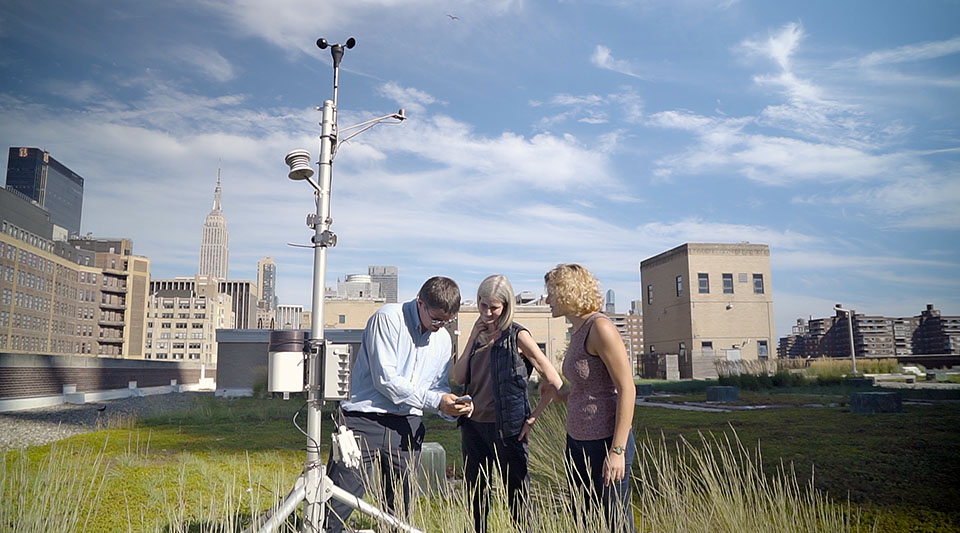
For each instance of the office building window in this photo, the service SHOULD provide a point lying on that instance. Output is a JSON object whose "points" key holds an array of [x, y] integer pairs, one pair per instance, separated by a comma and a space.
{"points": [[706, 347], [758, 284], [679, 285], [762, 349], [703, 280], [728, 284], [650, 294], [342, 319]]}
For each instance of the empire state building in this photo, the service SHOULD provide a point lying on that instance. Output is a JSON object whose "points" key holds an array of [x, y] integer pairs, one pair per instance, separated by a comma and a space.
{"points": [[214, 248]]}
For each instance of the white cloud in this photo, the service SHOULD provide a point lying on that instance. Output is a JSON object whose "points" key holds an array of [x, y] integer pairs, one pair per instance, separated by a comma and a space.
{"points": [[602, 58], [924, 200], [912, 52], [888, 66], [780, 46], [724, 144], [625, 106], [811, 259], [82, 92], [696, 230], [294, 25], [208, 62], [461, 158], [819, 138], [409, 98]]}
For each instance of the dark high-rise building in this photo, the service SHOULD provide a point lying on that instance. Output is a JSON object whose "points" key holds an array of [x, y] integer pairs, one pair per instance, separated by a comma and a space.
{"points": [[41, 178]]}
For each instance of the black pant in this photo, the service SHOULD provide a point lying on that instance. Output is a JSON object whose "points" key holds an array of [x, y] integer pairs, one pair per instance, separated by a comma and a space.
{"points": [[393, 442], [585, 472], [482, 448]]}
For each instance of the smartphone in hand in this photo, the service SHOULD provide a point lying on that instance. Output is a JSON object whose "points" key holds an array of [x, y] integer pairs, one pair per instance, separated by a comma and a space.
{"points": [[464, 399]]}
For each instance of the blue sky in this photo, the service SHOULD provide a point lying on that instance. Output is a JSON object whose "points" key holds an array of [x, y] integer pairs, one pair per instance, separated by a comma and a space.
{"points": [[601, 132]]}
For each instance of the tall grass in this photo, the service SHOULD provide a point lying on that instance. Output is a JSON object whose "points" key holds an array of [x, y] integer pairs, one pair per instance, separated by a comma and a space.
{"points": [[769, 373], [719, 486], [149, 482], [45, 495], [829, 367], [722, 487]]}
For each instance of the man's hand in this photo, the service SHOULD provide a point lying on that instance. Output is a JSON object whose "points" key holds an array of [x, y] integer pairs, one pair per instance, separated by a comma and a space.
{"points": [[449, 405]]}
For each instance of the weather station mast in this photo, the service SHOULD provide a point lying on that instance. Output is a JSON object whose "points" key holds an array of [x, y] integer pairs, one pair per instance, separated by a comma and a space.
{"points": [[315, 366]]}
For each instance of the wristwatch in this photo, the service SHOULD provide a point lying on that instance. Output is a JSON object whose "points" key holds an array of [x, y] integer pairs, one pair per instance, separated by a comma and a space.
{"points": [[617, 450]]}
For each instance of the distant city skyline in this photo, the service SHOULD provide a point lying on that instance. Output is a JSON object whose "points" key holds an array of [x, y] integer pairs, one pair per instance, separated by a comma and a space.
{"points": [[826, 130]]}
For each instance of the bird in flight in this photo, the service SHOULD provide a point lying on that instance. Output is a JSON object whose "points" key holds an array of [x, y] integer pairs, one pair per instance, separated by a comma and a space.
{"points": [[453, 17]]}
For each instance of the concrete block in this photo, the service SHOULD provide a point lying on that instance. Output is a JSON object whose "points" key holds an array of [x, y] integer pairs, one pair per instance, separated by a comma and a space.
{"points": [[69, 389], [644, 390], [104, 395], [672, 367], [912, 370], [78, 398], [876, 402], [432, 470], [20, 404], [723, 394]]}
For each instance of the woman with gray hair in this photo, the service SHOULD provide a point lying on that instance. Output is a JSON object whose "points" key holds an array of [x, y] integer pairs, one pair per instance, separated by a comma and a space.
{"points": [[494, 370]]}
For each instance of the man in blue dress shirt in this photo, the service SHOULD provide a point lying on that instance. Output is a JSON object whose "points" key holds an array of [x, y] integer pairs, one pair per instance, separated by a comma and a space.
{"points": [[401, 369]]}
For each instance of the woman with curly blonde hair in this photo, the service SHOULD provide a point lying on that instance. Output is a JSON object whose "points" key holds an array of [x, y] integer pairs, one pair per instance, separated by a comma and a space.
{"points": [[600, 401]]}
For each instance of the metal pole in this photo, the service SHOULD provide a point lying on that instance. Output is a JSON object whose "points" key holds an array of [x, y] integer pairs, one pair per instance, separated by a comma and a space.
{"points": [[314, 469]]}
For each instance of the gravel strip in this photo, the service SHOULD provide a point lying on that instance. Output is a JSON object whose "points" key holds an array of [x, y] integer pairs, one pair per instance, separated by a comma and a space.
{"points": [[33, 427]]}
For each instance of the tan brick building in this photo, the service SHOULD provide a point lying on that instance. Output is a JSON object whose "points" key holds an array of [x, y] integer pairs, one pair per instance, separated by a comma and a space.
{"points": [[182, 323], [348, 313], [123, 287], [49, 304], [706, 301]]}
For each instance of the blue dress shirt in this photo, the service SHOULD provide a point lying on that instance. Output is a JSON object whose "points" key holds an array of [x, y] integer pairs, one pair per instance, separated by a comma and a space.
{"points": [[400, 369]]}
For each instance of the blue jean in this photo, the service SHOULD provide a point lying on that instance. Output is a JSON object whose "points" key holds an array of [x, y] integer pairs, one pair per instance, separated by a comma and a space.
{"points": [[585, 472]]}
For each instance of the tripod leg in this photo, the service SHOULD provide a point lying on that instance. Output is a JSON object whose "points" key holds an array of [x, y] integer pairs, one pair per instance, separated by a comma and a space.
{"points": [[272, 519], [332, 491]]}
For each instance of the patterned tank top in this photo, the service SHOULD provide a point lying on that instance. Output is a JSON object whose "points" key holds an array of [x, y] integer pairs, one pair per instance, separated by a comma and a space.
{"points": [[592, 404]]}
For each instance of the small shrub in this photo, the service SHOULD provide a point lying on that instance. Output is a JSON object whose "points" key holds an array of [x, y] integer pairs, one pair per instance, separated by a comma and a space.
{"points": [[797, 379], [781, 379], [827, 381], [764, 381], [729, 381], [749, 382]]}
